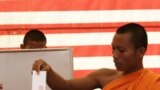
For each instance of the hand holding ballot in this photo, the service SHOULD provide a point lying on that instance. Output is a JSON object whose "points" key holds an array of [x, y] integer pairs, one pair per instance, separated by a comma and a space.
{"points": [[54, 81], [40, 65]]}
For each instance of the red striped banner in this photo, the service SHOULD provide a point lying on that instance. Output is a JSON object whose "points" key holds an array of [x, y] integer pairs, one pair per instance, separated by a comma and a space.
{"points": [[63, 5]]}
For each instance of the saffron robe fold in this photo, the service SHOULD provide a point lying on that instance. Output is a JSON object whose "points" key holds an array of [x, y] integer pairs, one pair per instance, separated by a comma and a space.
{"points": [[141, 80]]}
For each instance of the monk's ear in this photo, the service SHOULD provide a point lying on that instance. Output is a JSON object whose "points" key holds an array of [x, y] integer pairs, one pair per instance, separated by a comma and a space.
{"points": [[141, 51]]}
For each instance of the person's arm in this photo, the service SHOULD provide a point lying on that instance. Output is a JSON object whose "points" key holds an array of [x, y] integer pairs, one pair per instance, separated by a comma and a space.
{"points": [[56, 82], [1, 86]]}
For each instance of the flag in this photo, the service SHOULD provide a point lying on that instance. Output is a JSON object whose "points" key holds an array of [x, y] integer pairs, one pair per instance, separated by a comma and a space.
{"points": [[87, 26]]}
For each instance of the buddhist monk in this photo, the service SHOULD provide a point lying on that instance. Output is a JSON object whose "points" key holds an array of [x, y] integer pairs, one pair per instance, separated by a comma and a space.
{"points": [[129, 45]]}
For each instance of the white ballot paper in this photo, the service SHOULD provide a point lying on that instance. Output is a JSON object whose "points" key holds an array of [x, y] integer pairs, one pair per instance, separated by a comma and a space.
{"points": [[39, 80]]}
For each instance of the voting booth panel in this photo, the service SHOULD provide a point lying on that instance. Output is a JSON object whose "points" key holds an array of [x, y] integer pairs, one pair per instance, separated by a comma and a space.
{"points": [[16, 66]]}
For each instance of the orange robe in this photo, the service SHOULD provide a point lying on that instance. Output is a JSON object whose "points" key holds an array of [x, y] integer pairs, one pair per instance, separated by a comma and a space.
{"points": [[140, 80]]}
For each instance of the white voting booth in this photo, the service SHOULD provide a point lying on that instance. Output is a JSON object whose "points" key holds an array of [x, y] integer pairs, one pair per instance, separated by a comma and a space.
{"points": [[16, 66]]}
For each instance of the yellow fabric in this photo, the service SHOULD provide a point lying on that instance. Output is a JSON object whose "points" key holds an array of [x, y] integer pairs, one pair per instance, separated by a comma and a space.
{"points": [[140, 80]]}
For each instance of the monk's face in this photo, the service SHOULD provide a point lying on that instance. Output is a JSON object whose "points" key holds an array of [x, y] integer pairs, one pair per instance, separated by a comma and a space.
{"points": [[126, 58]]}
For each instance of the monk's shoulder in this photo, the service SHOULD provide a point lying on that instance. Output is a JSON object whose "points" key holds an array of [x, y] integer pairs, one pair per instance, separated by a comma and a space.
{"points": [[104, 76], [107, 72]]}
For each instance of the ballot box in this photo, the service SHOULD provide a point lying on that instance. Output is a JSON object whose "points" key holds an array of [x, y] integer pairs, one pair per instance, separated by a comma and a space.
{"points": [[16, 66]]}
